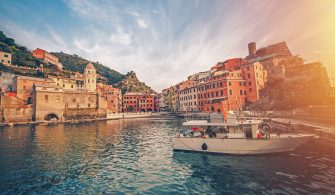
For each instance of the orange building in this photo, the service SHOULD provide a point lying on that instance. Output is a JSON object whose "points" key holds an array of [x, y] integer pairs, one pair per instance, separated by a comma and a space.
{"points": [[24, 86], [255, 77], [112, 95], [232, 84], [228, 87], [47, 57]]}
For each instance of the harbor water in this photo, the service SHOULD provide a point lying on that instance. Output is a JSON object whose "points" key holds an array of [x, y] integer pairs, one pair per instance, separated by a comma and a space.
{"points": [[135, 156]]}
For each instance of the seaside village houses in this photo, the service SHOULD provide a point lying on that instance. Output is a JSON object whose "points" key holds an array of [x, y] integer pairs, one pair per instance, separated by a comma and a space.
{"points": [[236, 83], [24, 99], [76, 97]]}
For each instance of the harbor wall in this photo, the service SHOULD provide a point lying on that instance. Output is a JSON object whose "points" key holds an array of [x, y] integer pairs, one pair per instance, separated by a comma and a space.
{"points": [[14, 110], [128, 115]]}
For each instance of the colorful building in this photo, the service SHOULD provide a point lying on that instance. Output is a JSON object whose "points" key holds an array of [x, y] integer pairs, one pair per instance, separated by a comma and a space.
{"points": [[112, 95], [188, 96], [24, 86], [47, 57], [5, 58], [138, 102]]}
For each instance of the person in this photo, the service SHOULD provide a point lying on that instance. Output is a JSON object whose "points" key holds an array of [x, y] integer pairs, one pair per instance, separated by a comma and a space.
{"points": [[209, 132], [259, 135]]}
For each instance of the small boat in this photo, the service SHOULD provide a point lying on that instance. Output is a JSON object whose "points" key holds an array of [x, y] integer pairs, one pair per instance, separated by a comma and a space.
{"points": [[235, 135]]}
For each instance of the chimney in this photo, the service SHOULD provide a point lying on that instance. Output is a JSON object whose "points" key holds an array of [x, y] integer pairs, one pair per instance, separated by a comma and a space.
{"points": [[252, 49]]}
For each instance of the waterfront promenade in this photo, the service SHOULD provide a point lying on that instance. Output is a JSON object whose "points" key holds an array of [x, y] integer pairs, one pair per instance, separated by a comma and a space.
{"points": [[110, 116], [323, 128]]}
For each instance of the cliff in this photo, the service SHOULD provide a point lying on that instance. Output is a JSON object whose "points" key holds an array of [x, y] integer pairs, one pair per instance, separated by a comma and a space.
{"points": [[131, 84]]}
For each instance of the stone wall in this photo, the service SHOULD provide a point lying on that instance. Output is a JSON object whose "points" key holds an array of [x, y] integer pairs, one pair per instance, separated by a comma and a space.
{"points": [[14, 110], [83, 113], [23, 114]]}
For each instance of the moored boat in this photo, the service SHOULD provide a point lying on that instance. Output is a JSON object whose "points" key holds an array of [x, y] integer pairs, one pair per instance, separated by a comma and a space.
{"points": [[235, 136]]}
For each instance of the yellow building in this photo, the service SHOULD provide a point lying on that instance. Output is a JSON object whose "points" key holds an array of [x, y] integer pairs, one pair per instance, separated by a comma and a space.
{"points": [[65, 83], [90, 77]]}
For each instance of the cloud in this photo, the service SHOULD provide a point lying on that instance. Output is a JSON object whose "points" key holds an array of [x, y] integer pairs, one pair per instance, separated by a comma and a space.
{"points": [[121, 37], [164, 42], [142, 23]]}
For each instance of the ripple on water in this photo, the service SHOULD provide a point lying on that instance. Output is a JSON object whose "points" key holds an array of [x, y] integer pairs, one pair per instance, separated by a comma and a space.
{"points": [[135, 156]]}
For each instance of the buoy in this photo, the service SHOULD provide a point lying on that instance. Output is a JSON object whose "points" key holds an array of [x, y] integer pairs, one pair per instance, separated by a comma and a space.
{"points": [[204, 146]]}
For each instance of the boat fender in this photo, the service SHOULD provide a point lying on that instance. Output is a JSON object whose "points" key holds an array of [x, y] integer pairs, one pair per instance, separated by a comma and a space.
{"points": [[204, 146]]}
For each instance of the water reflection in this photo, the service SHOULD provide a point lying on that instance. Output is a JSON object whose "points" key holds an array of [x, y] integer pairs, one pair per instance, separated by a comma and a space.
{"points": [[127, 156]]}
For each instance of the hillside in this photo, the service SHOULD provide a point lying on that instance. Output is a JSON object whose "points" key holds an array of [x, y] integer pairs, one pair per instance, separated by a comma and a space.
{"points": [[21, 56], [76, 63], [25, 64], [131, 84]]}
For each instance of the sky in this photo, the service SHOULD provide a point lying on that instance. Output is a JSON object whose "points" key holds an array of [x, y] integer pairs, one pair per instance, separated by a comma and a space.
{"points": [[164, 41]]}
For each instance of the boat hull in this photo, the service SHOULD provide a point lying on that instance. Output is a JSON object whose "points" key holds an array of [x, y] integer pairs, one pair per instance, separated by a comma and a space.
{"points": [[241, 146]]}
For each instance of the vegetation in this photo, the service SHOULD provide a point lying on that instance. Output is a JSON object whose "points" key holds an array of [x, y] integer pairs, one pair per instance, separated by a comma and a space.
{"points": [[21, 56], [27, 64], [131, 84], [21, 71], [76, 63]]}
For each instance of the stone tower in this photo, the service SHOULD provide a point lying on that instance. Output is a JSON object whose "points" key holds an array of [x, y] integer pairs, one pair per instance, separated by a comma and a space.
{"points": [[90, 78]]}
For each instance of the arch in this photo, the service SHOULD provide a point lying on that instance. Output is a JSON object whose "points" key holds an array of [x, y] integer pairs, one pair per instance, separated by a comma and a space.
{"points": [[149, 110], [51, 116], [142, 110]]}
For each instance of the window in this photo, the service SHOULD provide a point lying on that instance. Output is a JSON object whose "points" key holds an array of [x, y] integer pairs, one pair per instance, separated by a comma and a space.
{"points": [[240, 83], [77, 105], [57, 99], [250, 89], [241, 92], [63, 85], [89, 105], [248, 68], [249, 83], [217, 94], [66, 105], [6, 56], [88, 80], [229, 83], [248, 75], [221, 93], [72, 86], [230, 92], [245, 92], [46, 98]]}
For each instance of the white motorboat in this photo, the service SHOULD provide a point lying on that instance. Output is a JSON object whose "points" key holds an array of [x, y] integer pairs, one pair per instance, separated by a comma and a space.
{"points": [[235, 136]]}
